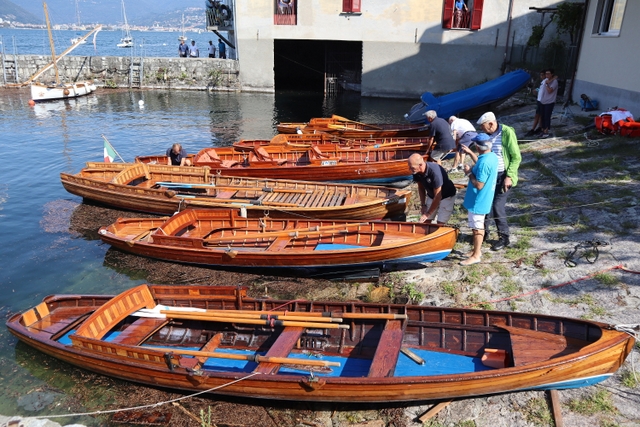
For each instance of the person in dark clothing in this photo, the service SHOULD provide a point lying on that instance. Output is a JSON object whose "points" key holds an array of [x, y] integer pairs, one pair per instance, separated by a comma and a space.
{"points": [[440, 133], [177, 156], [183, 49], [437, 192], [222, 49]]}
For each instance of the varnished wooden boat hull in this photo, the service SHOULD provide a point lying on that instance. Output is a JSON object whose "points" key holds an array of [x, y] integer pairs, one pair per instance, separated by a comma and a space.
{"points": [[221, 239], [344, 128], [327, 163], [110, 184], [576, 353]]}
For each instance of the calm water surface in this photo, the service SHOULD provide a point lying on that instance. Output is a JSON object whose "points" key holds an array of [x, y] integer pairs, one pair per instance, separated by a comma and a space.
{"points": [[39, 253]]}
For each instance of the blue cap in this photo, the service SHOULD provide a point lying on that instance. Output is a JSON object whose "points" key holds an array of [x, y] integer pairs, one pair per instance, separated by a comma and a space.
{"points": [[483, 141]]}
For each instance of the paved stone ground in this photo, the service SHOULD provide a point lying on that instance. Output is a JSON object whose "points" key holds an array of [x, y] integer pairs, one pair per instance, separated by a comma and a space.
{"points": [[578, 193]]}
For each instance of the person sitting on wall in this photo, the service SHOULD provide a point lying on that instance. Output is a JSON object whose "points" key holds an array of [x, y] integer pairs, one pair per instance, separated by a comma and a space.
{"points": [[177, 156]]}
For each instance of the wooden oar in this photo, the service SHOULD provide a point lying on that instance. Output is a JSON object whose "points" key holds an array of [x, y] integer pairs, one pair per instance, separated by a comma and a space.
{"points": [[297, 316], [270, 323], [344, 119], [288, 233], [140, 236], [328, 314], [250, 357]]}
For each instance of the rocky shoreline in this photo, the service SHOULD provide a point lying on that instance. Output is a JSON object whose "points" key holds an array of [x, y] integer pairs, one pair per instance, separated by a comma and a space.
{"points": [[575, 252]]}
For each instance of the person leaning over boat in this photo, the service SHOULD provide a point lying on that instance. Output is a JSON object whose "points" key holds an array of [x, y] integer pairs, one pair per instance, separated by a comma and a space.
{"points": [[463, 133], [436, 191], [505, 146], [183, 49], [480, 191], [440, 132], [177, 156]]}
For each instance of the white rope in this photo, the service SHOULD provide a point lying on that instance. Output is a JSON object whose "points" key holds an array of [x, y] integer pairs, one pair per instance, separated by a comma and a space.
{"points": [[631, 329], [152, 405]]}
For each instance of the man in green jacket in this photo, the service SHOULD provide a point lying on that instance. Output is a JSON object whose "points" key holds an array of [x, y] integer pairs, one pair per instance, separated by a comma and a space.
{"points": [[505, 146]]}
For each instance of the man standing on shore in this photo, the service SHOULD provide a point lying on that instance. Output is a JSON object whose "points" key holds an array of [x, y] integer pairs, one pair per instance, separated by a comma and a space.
{"points": [[436, 191], [505, 146], [480, 190], [212, 50], [194, 52], [222, 49], [183, 49]]}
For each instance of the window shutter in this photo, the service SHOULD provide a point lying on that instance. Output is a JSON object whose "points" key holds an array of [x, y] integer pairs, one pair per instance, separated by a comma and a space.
{"points": [[447, 14], [476, 14], [346, 5], [355, 5]]}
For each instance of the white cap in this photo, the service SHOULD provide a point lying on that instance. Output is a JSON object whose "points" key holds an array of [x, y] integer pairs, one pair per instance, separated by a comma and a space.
{"points": [[487, 117]]}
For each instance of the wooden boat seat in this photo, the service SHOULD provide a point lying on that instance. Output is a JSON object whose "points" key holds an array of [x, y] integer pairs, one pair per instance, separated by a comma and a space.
{"points": [[210, 155], [260, 157], [113, 312], [530, 346], [386, 355], [279, 243], [139, 330], [283, 345], [131, 173], [185, 219]]}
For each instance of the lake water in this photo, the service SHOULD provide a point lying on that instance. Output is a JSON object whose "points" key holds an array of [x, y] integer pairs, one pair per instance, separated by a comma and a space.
{"points": [[146, 43], [41, 255]]}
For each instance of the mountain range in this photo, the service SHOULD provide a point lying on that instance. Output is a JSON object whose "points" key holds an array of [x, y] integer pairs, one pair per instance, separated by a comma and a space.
{"points": [[139, 12]]}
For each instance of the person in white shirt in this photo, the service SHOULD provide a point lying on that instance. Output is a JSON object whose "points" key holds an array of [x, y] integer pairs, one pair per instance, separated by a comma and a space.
{"points": [[212, 50], [463, 133]]}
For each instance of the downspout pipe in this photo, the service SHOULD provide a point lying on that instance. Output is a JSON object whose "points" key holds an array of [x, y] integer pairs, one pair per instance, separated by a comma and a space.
{"points": [[506, 47], [585, 11]]}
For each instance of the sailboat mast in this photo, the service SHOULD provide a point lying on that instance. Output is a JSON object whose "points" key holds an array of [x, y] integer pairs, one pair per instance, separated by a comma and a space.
{"points": [[53, 48]]}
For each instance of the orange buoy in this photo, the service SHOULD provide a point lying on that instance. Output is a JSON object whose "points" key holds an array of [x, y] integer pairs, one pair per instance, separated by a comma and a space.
{"points": [[32, 102]]}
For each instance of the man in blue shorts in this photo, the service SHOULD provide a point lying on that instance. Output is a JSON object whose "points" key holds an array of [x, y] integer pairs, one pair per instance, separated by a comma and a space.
{"points": [[463, 133], [480, 191]]}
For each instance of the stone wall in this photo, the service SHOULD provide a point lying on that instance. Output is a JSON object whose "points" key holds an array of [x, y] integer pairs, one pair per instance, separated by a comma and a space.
{"points": [[116, 71]]}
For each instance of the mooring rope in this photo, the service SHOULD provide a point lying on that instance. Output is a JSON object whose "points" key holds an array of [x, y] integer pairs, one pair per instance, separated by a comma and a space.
{"points": [[151, 405]]}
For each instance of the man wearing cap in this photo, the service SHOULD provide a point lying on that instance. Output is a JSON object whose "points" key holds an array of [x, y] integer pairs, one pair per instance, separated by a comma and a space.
{"points": [[436, 191], [440, 132], [480, 191], [505, 146], [463, 133]]}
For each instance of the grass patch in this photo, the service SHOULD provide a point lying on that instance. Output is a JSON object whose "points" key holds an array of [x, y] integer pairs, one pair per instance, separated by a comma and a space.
{"points": [[629, 379], [599, 402], [536, 411], [450, 288], [510, 287], [607, 279], [475, 274]]}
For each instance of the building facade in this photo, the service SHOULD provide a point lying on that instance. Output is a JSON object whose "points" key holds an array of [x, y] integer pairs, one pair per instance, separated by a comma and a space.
{"points": [[608, 65], [382, 48]]}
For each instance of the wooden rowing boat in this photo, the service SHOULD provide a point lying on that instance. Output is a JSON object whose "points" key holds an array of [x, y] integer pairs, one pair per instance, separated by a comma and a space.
{"points": [[345, 128], [162, 189], [220, 238], [201, 338], [329, 162], [307, 140]]}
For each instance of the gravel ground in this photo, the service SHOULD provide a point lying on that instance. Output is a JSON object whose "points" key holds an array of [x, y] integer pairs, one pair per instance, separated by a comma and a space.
{"points": [[574, 252]]}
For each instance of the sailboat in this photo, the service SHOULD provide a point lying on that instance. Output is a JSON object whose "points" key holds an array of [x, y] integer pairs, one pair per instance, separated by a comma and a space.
{"points": [[182, 38], [77, 39], [127, 40], [58, 90]]}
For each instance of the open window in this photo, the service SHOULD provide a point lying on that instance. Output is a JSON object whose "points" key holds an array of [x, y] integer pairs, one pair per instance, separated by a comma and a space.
{"points": [[609, 15], [462, 14], [285, 13], [351, 6]]}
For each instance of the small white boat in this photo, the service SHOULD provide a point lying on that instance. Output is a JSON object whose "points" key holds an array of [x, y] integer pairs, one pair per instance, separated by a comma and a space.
{"points": [[126, 40], [43, 92], [57, 89]]}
